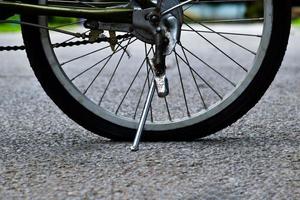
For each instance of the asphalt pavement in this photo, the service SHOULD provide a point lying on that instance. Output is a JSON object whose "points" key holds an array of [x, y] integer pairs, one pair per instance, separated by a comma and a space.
{"points": [[45, 155]]}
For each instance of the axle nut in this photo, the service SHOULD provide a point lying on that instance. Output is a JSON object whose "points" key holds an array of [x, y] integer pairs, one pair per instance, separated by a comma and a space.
{"points": [[154, 18]]}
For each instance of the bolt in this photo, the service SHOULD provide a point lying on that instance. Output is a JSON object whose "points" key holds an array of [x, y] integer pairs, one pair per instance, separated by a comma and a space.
{"points": [[154, 18], [158, 29]]}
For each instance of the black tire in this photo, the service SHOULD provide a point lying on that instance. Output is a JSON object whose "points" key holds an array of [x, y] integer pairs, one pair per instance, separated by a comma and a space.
{"points": [[250, 96]]}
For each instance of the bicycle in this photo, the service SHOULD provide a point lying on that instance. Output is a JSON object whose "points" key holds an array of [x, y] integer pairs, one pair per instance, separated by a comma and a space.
{"points": [[156, 66]]}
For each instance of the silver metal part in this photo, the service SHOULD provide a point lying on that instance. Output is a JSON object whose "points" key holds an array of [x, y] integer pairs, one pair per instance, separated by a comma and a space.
{"points": [[162, 85], [143, 119], [143, 29], [115, 27], [97, 25], [94, 35], [172, 32]]}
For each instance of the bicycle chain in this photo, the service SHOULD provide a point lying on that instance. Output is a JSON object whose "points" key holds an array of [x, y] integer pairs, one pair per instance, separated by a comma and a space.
{"points": [[67, 44]]}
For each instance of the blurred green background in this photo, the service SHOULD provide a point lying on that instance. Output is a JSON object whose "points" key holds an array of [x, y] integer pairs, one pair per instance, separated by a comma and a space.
{"points": [[53, 22]]}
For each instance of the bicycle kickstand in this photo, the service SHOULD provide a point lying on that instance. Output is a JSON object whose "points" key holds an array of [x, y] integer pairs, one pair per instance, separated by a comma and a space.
{"points": [[135, 146]]}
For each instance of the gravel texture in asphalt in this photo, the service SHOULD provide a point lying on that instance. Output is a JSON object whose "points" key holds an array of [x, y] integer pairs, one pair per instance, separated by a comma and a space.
{"points": [[45, 155]]}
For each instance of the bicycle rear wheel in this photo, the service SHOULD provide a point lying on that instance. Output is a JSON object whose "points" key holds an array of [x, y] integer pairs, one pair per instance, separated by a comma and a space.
{"points": [[220, 69]]}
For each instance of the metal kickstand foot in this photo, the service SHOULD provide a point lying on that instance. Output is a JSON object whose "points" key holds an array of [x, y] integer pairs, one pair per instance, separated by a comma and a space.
{"points": [[135, 146]]}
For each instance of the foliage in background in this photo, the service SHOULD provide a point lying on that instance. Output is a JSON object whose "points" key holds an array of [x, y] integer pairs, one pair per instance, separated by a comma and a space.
{"points": [[54, 21], [296, 22], [10, 27], [254, 9]]}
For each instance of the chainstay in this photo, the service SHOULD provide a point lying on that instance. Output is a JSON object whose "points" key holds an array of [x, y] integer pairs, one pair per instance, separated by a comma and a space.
{"points": [[67, 44]]}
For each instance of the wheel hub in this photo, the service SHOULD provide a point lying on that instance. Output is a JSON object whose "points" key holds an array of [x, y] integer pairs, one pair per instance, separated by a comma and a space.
{"points": [[145, 22]]}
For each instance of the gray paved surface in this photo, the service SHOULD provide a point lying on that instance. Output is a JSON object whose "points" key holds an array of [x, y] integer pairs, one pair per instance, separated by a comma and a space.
{"points": [[44, 155]]}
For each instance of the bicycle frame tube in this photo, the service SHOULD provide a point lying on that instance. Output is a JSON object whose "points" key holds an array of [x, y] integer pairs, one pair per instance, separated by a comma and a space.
{"points": [[105, 13], [114, 11]]}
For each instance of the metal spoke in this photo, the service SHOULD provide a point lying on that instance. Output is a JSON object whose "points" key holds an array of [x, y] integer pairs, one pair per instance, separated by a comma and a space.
{"points": [[223, 33], [206, 82], [94, 65], [116, 68], [87, 4], [109, 58], [84, 55], [68, 40], [141, 95], [176, 6], [259, 19], [99, 72], [200, 1], [206, 64], [226, 38], [192, 4], [195, 81], [225, 54], [188, 7], [131, 83], [72, 38], [168, 110], [182, 86]]}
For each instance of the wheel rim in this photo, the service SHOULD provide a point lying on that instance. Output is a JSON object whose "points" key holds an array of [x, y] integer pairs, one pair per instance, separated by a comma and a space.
{"points": [[184, 61]]}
